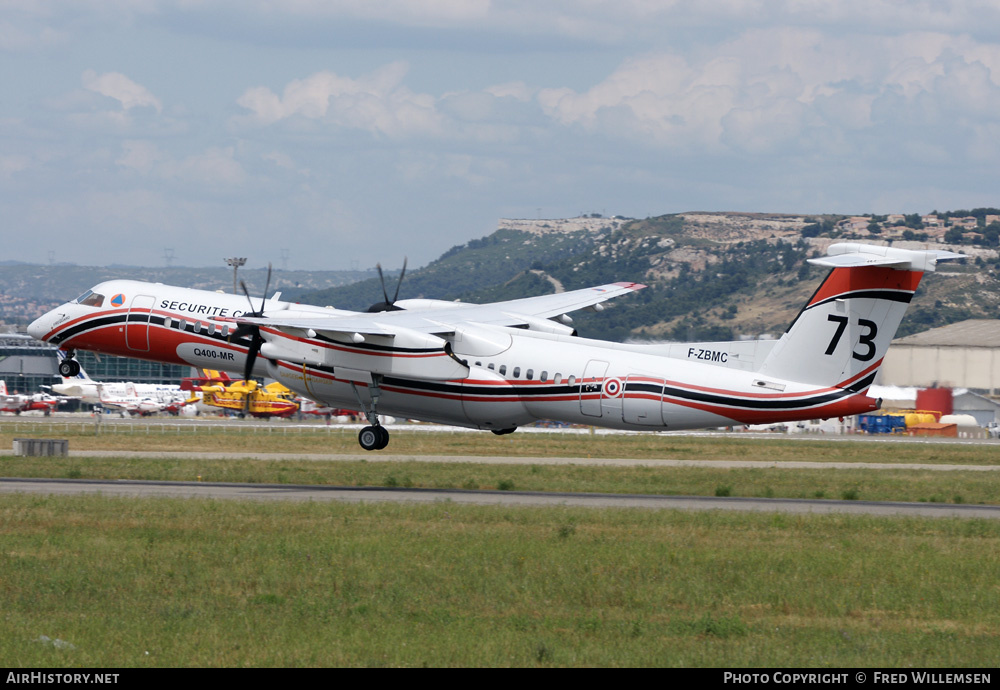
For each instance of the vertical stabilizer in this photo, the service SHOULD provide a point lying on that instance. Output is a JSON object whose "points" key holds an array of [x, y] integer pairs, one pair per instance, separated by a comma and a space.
{"points": [[840, 337]]}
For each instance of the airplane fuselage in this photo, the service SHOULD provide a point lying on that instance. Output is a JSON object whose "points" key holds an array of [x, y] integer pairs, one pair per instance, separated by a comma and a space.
{"points": [[514, 376]]}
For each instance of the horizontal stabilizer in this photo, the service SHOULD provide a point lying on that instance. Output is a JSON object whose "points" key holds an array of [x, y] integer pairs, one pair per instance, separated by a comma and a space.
{"points": [[849, 254]]}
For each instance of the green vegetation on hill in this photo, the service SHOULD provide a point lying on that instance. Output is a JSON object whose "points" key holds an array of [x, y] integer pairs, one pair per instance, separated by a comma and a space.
{"points": [[486, 263], [710, 276]]}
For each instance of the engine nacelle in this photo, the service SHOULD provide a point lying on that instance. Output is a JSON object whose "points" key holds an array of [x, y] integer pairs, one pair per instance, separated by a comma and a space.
{"points": [[407, 353], [535, 323]]}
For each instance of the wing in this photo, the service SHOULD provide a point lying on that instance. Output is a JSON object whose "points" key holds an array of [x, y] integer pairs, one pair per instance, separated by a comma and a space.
{"points": [[443, 317], [411, 342]]}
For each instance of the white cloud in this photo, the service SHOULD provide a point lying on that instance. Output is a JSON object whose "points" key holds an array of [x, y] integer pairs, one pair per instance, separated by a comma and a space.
{"points": [[766, 87], [517, 90], [284, 161], [11, 165], [376, 102], [140, 156], [119, 87], [214, 167]]}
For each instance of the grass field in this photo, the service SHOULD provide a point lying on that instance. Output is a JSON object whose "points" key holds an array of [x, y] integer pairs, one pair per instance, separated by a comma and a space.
{"points": [[101, 582], [109, 582]]}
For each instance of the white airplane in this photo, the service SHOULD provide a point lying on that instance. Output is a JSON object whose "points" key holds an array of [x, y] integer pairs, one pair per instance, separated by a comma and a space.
{"points": [[126, 396], [502, 365], [19, 402]]}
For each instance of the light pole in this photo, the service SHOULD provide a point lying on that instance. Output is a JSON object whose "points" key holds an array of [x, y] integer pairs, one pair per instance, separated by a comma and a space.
{"points": [[236, 262]]}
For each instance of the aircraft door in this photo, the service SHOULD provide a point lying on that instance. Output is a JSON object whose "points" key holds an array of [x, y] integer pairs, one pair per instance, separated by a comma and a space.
{"points": [[642, 403], [591, 386], [137, 323]]}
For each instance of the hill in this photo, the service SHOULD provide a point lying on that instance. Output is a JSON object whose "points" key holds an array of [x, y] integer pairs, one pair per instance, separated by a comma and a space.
{"points": [[709, 275]]}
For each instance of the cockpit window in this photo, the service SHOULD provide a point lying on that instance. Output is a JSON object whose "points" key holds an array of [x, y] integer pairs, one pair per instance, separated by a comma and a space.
{"points": [[90, 299]]}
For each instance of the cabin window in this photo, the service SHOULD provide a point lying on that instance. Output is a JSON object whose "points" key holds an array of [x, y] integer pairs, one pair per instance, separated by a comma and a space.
{"points": [[479, 364], [530, 374], [544, 377], [572, 380], [167, 321], [491, 366], [503, 369], [558, 379], [225, 330], [517, 372]]}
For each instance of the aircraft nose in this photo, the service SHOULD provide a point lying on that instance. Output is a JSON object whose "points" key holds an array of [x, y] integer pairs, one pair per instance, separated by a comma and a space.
{"points": [[40, 326]]}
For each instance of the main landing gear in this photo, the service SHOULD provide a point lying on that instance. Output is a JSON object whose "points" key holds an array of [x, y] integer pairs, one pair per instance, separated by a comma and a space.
{"points": [[376, 436], [69, 367]]}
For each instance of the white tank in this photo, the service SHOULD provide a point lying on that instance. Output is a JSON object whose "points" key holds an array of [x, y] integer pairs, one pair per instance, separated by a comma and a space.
{"points": [[959, 419]]}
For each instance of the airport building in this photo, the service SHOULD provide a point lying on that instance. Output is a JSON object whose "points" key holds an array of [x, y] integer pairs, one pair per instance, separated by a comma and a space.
{"points": [[962, 355], [27, 364]]}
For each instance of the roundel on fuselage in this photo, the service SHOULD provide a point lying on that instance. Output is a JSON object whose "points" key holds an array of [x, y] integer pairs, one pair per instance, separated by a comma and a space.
{"points": [[118, 300], [612, 388]]}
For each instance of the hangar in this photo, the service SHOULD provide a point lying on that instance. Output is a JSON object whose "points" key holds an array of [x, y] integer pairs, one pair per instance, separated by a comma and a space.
{"points": [[963, 355]]}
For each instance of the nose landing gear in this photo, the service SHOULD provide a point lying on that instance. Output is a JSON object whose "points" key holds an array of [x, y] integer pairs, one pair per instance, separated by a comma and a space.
{"points": [[69, 367]]}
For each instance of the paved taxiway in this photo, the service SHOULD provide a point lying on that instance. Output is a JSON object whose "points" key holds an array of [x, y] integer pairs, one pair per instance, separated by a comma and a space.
{"points": [[372, 494], [517, 460], [283, 492]]}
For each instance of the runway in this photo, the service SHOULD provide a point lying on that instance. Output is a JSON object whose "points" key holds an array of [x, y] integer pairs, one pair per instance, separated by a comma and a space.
{"points": [[283, 492], [389, 457]]}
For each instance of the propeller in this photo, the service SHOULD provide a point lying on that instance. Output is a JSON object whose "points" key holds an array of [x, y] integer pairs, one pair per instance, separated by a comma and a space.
{"points": [[388, 305], [253, 330]]}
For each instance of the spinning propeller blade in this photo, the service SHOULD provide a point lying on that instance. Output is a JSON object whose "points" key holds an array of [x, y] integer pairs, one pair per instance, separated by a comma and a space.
{"points": [[387, 305]]}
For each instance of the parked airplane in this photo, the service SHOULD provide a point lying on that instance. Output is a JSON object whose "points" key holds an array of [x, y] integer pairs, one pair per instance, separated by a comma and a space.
{"points": [[18, 403], [126, 396], [501, 365], [250, 398]]}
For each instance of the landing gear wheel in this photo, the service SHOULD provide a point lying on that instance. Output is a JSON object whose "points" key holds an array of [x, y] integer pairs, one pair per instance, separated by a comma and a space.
{"points": [[373, 438], [504, 432], [68, 368]]}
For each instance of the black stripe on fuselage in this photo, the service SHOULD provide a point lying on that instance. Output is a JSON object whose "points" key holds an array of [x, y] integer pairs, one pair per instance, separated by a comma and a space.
{"points": [[95, 323], [87, 325], [891, 295], [751, 403]]}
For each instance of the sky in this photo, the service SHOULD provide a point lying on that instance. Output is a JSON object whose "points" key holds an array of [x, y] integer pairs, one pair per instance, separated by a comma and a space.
{"points": [[334, 134]]}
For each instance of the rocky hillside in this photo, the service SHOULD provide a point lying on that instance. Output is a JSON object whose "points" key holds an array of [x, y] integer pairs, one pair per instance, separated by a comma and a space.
{"points": [[710, 275]]}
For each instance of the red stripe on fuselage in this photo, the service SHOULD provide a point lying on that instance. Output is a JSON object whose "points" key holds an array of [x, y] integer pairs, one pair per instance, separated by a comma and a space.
{"points": [[110, 339]]}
